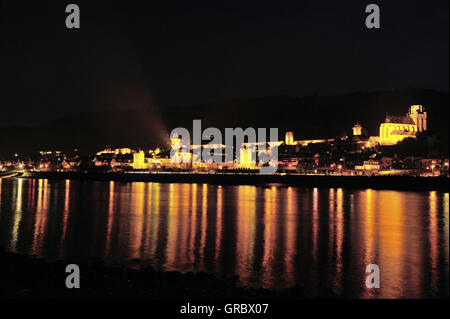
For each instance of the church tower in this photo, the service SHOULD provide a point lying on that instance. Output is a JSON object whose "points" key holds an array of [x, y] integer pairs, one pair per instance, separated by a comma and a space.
{"points": [[357, 129], [419, 116], [289, 138]]}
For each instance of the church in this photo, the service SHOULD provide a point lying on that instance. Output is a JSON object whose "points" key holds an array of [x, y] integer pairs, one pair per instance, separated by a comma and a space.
{"points": [[396, 128]]}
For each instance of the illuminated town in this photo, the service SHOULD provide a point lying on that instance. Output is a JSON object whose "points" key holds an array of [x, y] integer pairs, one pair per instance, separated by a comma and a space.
{"points": [[357, 154], [225, 158]]}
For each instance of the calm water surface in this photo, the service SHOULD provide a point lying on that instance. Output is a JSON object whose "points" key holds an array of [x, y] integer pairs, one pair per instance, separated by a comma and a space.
{"points": [[272, 236]]}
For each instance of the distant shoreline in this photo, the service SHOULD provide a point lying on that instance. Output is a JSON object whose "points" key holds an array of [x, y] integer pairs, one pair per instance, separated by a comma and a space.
{"points": [[411, 183]]}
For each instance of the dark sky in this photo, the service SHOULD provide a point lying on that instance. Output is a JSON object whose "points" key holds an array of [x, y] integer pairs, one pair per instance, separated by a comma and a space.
{"points": [[153, 54]]}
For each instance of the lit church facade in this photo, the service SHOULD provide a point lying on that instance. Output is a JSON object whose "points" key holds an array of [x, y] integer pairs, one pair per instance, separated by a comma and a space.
{"points": [[396, 128]]}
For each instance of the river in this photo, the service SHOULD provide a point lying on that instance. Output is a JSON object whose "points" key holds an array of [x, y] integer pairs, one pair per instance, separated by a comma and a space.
{"points": [[271, 236]]}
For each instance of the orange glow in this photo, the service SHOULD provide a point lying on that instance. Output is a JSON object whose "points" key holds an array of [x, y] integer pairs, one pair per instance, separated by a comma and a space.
{"points": [[387, 232], [193, 227], [446, 226], [433, 237], [270, 211], [339, 237], [173, 220], [65, 214], [155, 189], [204, 221], [110, 218], [17, 215], [148, 219], [137, 219], [291, 234], [331, 223], [368, 209], [315, 221], [41, 217], [245, 222], [218, 224], [183, 231]]}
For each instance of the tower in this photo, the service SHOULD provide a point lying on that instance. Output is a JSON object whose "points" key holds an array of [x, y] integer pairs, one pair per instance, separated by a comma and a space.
{"points": [[419, 116], [357, 129], [289, 138]]}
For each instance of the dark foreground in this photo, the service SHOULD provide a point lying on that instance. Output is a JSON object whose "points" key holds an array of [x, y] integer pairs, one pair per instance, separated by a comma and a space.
{"points": [[26, 277]]}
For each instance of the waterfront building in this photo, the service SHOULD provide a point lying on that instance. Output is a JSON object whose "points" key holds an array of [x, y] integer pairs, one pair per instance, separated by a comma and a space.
{"points": [[369, 167]]}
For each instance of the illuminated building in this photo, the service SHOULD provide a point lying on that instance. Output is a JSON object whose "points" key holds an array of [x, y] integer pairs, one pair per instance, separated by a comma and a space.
{"points": [[357, 128], [368, 168], [116, 151], [139, 160], [372, 141], [247, 158], [396, 128], [52, 160]]}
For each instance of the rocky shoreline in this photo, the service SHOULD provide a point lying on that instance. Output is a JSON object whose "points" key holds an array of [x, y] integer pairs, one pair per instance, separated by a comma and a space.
{"points": [[26, 277]]}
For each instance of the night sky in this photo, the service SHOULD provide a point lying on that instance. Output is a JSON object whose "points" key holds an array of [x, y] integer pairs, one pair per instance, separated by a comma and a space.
{"points": [[155, 54]]}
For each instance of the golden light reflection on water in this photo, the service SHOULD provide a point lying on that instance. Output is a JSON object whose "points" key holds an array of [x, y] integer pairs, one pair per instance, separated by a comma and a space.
{"points": [[390, 232], [446, 226], [39, 232], [136, 226], [245, 224], [367, 208], [291, 222], [315, 222], [155, 218], [270, 236], [433, 236], [270, 233], [219, 225], [17, 214], [0, 196], [183, 229], [110, 218], [173, 219], [339, 237], [65, 215], [203, 223]]}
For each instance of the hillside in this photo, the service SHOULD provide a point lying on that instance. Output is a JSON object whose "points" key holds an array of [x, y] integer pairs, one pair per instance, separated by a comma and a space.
{"points": [[309, 117]]}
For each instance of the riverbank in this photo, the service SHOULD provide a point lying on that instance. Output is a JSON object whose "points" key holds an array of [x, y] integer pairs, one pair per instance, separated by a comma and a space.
{"points": [[26, 277], [412, 183]]}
